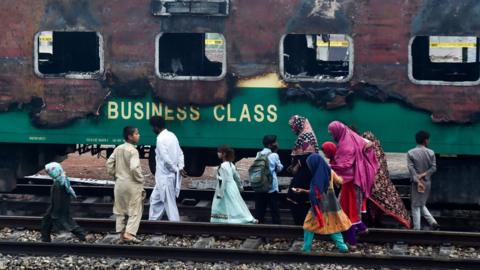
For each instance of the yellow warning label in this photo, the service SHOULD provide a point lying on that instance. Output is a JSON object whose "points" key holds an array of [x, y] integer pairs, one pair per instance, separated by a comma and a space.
{"points": [[213, 42], [333, 43], [453, 44], [47, 38]]}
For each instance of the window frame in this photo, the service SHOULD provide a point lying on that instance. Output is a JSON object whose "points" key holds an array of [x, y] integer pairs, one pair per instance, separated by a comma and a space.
{"points": [[351, 62], [429, 82], [189, 78], [73, 75]]}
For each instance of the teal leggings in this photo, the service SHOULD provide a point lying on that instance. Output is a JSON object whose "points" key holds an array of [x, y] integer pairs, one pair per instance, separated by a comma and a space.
{"points": [[336, 237]]}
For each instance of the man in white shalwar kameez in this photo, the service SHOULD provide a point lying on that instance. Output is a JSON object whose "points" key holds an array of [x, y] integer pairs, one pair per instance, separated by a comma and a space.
{"points": [[168, 173]]}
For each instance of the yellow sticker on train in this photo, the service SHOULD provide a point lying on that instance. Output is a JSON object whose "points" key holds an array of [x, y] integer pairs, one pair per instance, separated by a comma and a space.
{"points": [[213, 42], [453, 44], [47, 38], [333, 43]]}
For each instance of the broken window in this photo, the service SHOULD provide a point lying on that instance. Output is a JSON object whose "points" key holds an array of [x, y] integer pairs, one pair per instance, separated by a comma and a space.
{"points": [[190, 7], [324, 57], [187, 56], [444, 59], [68, 54]]}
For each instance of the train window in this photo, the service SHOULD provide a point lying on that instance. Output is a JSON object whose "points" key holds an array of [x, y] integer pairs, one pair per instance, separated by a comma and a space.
{"points": [[444, 60], [316, 58], [191, 56], [197, 7], [75, 55]]}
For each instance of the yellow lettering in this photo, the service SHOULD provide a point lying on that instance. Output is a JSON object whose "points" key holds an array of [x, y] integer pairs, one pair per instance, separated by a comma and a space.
{"points": [[157, 109], [169, 114], [229, 114], [272, 113], [181, 114], [138, 107], [147, 110], [215, 113], [194, 113], [245, 114], [112, 110], [259, 116], [126, 112]]}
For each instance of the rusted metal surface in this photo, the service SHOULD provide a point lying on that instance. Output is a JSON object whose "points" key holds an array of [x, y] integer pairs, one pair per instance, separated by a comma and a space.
{"points": [[381, 31]]}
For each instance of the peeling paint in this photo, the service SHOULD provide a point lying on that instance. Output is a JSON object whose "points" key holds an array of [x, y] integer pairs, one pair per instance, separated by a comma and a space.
{"points": [[271, 80], [325, 8], [380, 30]]}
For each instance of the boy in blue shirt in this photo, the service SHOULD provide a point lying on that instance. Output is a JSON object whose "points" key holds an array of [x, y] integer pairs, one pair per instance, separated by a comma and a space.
{"points": [[270, 198]]}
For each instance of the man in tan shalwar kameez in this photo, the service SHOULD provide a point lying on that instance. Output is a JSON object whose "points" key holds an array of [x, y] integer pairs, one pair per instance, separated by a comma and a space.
{"points": [[124, 165]]}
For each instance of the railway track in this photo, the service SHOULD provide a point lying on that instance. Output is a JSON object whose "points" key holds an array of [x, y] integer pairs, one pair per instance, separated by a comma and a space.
{"points": [[249, 251], [40, 186], [194, 205], [192, 209]]}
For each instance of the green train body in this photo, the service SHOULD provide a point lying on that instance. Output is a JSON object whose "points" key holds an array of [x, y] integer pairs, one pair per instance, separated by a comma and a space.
{"points": [[242, 122]]}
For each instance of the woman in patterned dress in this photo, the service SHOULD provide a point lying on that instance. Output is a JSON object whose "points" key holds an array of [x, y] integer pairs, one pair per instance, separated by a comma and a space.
{"points": [[385, 197], [305, 144]]}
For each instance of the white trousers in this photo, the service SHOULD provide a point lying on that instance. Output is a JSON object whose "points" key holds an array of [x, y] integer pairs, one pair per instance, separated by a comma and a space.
{"points": [[423, 210], [163, 199]]}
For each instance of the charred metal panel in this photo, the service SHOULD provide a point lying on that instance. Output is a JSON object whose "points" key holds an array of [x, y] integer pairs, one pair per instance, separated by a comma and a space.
{"points": [[190, 7], [380, 30], [69, 98], [447, 17]]}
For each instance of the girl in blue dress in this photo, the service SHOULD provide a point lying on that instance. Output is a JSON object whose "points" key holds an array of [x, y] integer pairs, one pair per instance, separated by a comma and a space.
{"points": [[228, 205]]}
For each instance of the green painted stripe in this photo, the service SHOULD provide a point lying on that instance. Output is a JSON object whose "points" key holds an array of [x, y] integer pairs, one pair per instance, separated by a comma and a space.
{"points": [[242, 124]]}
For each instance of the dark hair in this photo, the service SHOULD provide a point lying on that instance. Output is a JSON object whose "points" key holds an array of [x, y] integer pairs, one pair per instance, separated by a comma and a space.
{"points": [[228, 152], [128, 131], [421, 136], [157, 121], [269, 139]]}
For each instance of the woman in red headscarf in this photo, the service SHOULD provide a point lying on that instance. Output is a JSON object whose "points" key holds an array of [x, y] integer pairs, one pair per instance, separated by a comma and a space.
{"points": [[356, 163]]}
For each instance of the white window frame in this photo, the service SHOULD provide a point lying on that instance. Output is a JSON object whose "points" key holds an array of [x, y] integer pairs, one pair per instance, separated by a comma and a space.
{"points": [[429, 82], [293, 79], [189, 78], [71, 75]]}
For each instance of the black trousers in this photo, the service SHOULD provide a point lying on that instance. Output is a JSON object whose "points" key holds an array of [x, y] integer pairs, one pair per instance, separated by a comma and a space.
{"points": [[68, 224], [264, 200], [299, 212]]}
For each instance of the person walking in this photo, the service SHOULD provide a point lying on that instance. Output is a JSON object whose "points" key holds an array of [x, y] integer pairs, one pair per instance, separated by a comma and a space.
{"points": [[169, 163], [356, 163], [421, 165], [305, 144], [385, 198], [124, 165], [325, 216], [58, 214], [228, 205], [270, 198]]}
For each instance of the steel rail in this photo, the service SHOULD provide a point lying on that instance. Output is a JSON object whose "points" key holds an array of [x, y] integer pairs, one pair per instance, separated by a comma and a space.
{"points": [[260, 230], [107, 190], [215, 254], [196, 210], [198, 194]]}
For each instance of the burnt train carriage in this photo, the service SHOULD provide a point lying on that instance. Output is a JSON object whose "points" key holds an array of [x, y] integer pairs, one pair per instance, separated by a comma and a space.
{"points": [[224, 71]]}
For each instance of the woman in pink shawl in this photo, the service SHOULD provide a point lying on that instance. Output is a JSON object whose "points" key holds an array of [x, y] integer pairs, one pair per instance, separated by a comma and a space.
{"points": [[356, 163]]}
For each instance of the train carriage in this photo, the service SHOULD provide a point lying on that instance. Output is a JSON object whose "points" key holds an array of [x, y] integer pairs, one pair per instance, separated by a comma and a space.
{"points": [[223, 71]]}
